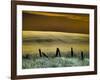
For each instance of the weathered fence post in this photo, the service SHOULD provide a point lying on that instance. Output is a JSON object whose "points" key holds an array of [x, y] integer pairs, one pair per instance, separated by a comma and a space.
{"points": [[82, 55], [72, 54], [58, 53], [44, 54], [40, 53]]}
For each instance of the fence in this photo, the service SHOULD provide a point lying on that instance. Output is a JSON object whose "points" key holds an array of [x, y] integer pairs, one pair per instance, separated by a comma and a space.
{"points": [[58, 53]]}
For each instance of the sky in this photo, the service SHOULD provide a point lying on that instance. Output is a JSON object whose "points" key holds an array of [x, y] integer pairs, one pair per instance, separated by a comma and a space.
{"points": [[51, 21]]}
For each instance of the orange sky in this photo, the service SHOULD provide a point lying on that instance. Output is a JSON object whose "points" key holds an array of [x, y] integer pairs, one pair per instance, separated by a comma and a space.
{"points": [[61, 22]]}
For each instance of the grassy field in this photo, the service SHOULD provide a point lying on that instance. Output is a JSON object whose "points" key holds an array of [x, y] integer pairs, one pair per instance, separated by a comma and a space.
{"points": [[48, 42], [54, 62]]}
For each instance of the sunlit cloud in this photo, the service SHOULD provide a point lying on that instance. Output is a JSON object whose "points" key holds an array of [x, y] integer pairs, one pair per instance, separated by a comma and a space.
{"points": [[66, 15]]}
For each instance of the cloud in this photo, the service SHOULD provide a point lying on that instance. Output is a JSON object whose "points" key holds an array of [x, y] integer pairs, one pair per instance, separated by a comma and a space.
{"points": [[80, 17]]}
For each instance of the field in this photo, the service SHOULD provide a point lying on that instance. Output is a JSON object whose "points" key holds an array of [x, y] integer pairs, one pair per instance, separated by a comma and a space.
{"points": [[73, 49]]}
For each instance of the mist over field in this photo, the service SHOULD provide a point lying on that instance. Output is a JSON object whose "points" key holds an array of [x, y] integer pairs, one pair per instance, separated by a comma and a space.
{"points": [[48, 42]]}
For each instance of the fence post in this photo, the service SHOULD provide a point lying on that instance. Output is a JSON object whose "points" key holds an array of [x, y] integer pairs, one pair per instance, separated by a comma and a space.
{"points": [[58, 53], [40, 53], [44, 54], [72, 54], [82, 55]]}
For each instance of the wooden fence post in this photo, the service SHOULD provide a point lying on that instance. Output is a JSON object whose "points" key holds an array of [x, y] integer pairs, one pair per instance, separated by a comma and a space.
{"points": [[44, 54], [72, 54], [58, 53], [82, 55], [40, 53]]}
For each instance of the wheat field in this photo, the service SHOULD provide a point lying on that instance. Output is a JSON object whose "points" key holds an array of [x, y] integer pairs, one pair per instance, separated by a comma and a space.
{"points": [[48, 42]]}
